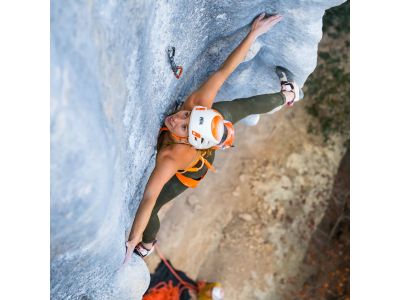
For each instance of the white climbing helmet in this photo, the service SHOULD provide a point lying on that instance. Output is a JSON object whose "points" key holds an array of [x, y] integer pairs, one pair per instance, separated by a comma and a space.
{"points": [[208, 129]]}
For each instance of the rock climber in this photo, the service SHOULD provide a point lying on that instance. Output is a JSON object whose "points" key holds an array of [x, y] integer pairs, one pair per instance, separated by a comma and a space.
{"points": [[188, 138]]}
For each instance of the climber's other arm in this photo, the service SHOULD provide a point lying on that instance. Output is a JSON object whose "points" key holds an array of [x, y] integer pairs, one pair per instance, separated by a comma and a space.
{"points": [[205, 95]]}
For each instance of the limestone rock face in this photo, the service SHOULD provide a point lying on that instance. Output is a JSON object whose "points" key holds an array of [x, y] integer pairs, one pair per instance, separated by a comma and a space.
{"points": [[111, 87], [132, 280]]}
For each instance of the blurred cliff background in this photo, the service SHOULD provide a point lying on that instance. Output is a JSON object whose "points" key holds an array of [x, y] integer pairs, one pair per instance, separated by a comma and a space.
{"points": [[274, 222]]}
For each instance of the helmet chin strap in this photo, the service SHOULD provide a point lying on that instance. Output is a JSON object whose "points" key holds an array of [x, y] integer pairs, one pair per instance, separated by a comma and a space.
{"points": [[177, 136]]}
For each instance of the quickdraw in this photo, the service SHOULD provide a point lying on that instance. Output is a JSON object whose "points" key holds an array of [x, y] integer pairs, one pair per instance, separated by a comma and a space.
{"points": [[176, 69]]}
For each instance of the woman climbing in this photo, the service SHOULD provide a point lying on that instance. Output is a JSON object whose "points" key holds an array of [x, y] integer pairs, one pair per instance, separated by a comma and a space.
{"points": [[189, 138]]}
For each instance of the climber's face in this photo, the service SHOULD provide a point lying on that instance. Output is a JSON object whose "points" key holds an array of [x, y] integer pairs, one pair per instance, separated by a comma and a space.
{"points": [[178, 123]]}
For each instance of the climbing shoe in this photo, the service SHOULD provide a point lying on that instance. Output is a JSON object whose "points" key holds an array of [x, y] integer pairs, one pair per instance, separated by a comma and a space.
{"points": [[289, 85], [142, 251]]}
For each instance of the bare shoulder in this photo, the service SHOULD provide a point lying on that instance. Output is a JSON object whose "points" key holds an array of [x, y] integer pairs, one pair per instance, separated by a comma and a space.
{"points": [[179, 154]]}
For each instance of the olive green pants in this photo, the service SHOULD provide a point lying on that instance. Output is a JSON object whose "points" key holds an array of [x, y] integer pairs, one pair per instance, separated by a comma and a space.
{"points": [[233, 111]]}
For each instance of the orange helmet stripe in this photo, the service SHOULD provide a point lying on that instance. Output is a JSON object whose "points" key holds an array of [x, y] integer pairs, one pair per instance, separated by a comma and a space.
{"points": [[196, 134], [214, 126]]}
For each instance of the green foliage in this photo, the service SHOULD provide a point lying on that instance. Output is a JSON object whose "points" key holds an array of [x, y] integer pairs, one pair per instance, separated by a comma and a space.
{"points": [[328, 88], [338, 18]]}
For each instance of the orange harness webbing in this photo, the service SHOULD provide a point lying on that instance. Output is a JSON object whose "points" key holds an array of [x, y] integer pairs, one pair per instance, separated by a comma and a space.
{"points": [[185, 180]]}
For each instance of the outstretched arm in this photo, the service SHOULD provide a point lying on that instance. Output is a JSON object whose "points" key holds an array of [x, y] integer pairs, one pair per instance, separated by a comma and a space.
{"points": [[166, 166], [205, 95]]}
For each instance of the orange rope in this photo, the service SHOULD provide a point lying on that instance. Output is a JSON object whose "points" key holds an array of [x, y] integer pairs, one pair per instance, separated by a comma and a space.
{"points": [[163, 291], [184, 283]]}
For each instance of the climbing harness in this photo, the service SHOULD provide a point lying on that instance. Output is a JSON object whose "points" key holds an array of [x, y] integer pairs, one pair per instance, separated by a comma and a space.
{"points": [[188, 181], [207, 130], [176, 69]]}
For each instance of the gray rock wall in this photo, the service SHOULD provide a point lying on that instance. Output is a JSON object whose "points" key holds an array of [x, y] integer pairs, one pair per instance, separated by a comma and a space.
{"points": [[111, 87]]}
